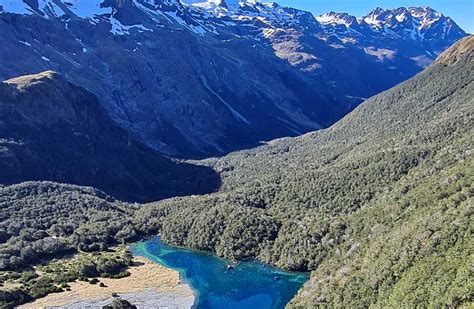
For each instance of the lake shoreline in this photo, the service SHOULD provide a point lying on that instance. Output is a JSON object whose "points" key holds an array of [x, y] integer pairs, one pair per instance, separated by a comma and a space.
{"points": [[138, 250], [149, 285], [247, 284]]}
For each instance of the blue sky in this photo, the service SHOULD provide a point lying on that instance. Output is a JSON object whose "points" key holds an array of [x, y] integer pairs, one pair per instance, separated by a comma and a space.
{"points": [[462, 11]]}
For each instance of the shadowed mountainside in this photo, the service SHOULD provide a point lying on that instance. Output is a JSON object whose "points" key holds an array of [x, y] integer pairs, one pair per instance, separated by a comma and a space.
{"points": [[53, 130]]}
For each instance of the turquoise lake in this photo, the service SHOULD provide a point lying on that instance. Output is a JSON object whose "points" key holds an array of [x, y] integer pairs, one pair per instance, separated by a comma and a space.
{"points": [[250, 284]]}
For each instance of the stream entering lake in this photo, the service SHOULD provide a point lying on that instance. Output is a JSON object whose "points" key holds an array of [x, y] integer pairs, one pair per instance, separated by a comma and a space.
{"points": [[249, 284]]}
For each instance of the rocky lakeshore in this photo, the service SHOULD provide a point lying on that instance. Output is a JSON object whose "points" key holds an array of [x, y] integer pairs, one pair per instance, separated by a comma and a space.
{"points": [[149, 286]]}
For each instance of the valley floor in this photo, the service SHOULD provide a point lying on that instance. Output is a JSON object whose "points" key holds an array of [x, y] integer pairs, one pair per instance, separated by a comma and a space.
{"points": [[149, 286]]}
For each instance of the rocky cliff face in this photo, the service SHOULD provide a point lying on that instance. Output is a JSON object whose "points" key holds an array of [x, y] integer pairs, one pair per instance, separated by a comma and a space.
{"points": [[204, 78], [53, 130]]}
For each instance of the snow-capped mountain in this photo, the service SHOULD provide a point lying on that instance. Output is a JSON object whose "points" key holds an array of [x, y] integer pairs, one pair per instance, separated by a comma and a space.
{"points": [[422, 25], [207, 17], [201, 77]]}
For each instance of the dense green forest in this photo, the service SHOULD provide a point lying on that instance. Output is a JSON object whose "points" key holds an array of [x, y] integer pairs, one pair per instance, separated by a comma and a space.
{"points": [[378, 207], [44, 223]]}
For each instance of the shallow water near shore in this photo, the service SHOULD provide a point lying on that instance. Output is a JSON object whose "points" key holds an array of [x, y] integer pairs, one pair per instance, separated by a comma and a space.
{"points": [[250, 284]]}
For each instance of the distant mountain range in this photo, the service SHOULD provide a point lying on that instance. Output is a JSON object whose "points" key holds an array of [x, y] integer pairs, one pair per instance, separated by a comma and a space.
{"points": [[194, 79]]}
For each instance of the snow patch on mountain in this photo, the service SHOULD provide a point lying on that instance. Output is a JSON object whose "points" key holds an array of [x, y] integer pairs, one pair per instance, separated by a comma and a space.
{"points": [[56, 8], [119, 29], [25, 43], [87, 8], [14, 6], [333, 18]]}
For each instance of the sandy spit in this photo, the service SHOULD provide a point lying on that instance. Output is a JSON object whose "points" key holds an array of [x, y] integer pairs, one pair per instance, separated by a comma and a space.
{"points": [[149, 286]]}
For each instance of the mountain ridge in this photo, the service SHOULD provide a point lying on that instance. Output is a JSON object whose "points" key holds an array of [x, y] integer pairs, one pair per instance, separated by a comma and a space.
{"points": [[460, 49], [378, 19], [227, 79]]}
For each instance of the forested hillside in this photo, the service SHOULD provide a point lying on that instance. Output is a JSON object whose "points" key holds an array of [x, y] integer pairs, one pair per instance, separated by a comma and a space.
{"points": [[378, 207]]}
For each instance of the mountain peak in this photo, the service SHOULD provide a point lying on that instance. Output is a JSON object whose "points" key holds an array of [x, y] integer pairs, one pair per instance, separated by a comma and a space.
{"points": [[336, 18], [423, 10], [228, 4], [415, 23], [378, 14]]}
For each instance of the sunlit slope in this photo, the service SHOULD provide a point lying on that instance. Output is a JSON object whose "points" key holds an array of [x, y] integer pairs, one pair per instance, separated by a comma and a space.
{"points": [[376, 206]]}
